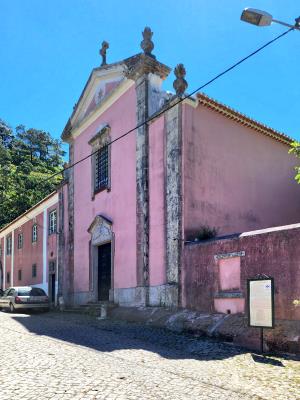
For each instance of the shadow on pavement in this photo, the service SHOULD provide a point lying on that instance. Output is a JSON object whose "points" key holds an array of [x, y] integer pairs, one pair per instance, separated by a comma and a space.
{"points": [[265, 359], [109, 336]]}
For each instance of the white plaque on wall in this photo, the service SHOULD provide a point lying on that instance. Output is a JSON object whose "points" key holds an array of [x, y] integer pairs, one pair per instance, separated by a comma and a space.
{"points": [[261, 302]]}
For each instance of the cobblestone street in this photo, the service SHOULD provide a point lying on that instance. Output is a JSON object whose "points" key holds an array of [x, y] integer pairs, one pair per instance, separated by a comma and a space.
{"points": [[68, 356]]}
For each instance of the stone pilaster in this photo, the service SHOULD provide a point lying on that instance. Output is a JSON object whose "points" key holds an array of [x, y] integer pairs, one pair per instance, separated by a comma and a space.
{"points": [[148, 75], [173, 131], [69, 276], [142, 194], [61, 241]]}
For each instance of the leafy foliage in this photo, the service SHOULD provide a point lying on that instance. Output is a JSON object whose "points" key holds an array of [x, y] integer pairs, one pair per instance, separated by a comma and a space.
{"points": [[27, 158], [295, 149], [206, 232]]}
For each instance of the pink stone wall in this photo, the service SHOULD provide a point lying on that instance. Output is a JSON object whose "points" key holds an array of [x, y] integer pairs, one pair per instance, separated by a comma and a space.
{"points": [[52, 241], [118, 204], [229, 306], [235, 179], [275, 253], [230, 273], [157, 256], [31, 253], [7, 267], [66, 279]]}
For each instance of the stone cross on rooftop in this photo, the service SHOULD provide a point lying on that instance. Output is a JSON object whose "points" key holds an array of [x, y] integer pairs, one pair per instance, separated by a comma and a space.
{"points": [[102, 52]]}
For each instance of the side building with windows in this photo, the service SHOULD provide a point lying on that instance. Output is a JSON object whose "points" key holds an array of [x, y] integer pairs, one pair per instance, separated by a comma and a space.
{"points": [[28, 248]]}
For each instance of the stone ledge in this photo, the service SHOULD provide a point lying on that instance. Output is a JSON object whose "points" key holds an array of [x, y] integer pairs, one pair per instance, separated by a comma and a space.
{"points": [[229, 295], [229, 327]]}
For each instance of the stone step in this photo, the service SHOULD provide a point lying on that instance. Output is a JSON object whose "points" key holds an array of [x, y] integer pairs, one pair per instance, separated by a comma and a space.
{"points": [[99, 309], [78, 310]]}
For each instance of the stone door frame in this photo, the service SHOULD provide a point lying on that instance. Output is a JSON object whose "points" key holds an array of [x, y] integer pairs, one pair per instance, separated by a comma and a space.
{"points": [[1, 276], [101, 233]]}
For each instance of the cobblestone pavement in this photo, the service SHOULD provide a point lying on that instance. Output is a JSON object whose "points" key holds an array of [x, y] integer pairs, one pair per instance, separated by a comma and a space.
{"points": [[68, 356]]}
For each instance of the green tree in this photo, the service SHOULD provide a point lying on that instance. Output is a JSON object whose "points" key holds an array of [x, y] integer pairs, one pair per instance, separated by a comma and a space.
{"points": [[28, 157], [295, 149]]}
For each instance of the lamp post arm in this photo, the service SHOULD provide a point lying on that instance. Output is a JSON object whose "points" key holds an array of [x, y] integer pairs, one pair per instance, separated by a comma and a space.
{"points": [[285, 24]]}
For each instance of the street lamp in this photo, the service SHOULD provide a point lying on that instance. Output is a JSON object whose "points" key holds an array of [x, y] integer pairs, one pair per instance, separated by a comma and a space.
{"points": [[262, 18]]}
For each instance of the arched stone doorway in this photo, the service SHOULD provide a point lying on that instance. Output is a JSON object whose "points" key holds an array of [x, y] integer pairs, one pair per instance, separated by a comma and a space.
{"points": [[102, 258]]}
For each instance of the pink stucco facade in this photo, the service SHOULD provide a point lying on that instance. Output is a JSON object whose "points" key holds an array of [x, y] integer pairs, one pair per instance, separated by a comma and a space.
{"points": [[146, 173], [214, 269], [196, 164], [157, 252], [235, 178], [117, 203]]}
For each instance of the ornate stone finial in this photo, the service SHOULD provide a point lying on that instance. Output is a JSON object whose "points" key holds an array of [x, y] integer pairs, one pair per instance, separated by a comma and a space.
{"points": [[180, 84], [102, 52], [147, 44]]}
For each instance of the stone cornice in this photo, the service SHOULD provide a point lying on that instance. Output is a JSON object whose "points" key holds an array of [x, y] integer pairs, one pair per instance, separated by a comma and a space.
{"points": [[145, 64], [100, 136]]}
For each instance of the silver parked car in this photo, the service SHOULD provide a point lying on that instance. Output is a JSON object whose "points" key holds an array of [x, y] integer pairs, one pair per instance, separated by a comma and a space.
{"points": [[24, 297]]}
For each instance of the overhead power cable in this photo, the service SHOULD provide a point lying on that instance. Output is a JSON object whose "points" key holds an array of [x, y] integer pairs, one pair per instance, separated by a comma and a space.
{"points": [[175, 103], [172, 105]]}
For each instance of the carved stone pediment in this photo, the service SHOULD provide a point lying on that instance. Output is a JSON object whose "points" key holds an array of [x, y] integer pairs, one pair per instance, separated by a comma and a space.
{"points": [[101, 138], [100, 230]]}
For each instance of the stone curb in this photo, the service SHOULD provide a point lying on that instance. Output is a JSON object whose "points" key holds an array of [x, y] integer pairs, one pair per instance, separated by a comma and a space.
{"points": [[229, 327]]}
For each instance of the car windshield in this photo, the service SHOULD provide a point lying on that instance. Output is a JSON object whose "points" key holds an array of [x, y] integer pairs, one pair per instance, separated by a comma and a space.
{"points": [[31, 292]]}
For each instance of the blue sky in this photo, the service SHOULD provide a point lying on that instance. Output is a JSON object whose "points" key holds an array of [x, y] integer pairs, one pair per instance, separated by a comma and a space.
{"points": [[48, 48]]}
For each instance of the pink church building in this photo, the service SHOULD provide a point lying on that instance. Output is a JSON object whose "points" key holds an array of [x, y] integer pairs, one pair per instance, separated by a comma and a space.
{"points": [[127, 210]]}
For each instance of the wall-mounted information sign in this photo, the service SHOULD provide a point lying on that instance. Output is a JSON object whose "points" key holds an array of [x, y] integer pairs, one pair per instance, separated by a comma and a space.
{"points": [[261, 302]]}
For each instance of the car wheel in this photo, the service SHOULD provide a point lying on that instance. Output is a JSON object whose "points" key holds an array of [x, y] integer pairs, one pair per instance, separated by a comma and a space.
{"points": [[11, 308]]}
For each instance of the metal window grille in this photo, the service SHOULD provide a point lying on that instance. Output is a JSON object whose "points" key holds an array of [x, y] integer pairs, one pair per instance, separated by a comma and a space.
{"points": [[8, 245], [20, 240], [34, 233], [101, 168], [52, 222]]}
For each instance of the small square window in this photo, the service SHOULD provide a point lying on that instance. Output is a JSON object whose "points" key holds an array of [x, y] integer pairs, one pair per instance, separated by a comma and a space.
{"points": [[20, 275], [20, 240]]}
